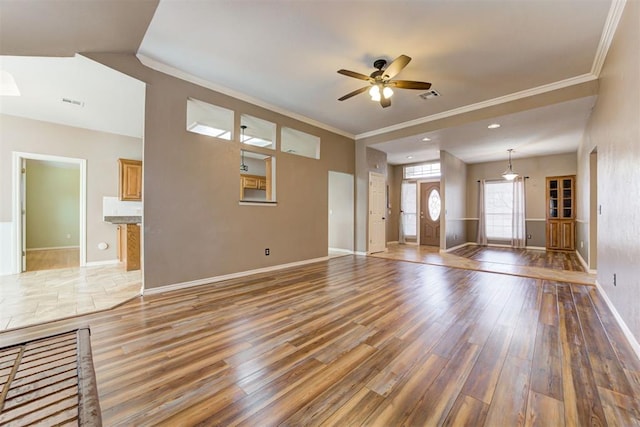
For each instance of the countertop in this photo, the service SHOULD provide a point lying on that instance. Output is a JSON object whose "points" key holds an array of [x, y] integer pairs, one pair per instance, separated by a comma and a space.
{"points": [[123, 219]]}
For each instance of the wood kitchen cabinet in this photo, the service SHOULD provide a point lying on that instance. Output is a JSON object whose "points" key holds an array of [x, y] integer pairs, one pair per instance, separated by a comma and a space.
{"points": [[561, 226], [252, 182], [130, 181], [129, 246]]}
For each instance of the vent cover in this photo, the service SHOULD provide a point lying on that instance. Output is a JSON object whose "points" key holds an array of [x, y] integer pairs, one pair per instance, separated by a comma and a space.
{"points": [[430, 94], [73, 102]]}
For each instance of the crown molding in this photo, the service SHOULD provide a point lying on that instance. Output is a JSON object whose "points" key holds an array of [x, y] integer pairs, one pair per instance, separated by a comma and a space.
{"points": [[167, 69], [483, 104], [610, 26]]}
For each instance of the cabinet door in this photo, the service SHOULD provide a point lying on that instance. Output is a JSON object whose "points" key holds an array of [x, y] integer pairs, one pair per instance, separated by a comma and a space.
{"points": [[567, 235], [130, 180], [553, 234]]}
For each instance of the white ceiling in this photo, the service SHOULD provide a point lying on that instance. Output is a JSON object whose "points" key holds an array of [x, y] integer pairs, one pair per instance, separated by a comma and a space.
{"points": [[284, 55], [109, 100]]}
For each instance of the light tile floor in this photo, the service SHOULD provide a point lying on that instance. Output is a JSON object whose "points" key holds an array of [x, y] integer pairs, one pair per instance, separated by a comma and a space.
{"points": [[42, 296]]}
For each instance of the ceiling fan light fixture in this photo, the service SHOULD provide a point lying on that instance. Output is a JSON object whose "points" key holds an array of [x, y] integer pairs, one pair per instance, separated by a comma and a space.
{"points": [[509, 174], [387, 92], [374, 92]]}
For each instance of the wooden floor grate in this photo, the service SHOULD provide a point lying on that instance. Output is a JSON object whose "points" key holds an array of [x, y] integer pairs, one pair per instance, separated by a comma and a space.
{"points": [[49, 381]]}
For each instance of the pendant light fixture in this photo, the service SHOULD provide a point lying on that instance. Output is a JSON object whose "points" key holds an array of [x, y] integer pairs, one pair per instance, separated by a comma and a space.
{"points": [[243, 167], [509, 174]]}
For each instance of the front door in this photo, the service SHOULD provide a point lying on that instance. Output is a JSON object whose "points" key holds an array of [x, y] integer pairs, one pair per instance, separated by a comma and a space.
{"points": [[430, 208]]}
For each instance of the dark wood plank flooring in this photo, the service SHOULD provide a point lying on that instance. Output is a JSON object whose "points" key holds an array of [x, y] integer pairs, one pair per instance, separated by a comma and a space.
{"points": [[364, 341], [532, 258]]}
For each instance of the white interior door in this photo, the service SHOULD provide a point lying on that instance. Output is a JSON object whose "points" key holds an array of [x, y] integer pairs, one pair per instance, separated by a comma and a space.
{"points": [[377, 212]]}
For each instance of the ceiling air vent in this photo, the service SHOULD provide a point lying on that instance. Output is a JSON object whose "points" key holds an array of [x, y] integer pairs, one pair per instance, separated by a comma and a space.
{"points": [[73, 102], [430, 94]]}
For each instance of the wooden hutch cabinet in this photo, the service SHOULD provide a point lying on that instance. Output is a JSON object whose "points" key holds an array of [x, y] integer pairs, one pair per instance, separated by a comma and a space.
{"points": [[561, 211]]}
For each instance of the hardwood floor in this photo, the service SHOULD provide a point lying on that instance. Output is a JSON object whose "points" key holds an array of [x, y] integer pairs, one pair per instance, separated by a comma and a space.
{"points": [[534, 258], [363, 341], [49, 259]]}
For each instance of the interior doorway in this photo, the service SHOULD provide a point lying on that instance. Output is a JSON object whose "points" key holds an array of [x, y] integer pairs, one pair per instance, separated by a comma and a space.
{"points": [[430, 208], [341, 217], [35, 237]]}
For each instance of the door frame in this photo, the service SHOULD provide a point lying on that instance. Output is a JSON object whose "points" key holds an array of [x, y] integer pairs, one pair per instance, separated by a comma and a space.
{"points": [[18, 201]]}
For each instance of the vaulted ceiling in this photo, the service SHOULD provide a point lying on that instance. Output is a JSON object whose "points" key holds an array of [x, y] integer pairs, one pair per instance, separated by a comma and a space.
{"points": [[531, 65]]}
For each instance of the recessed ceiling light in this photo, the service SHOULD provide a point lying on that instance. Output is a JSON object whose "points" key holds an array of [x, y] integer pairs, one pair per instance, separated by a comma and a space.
{"points": [[494, 126], [409, 157], [426, 139]]}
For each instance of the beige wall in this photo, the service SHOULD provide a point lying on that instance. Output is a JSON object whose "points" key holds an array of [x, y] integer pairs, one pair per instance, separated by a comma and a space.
{"points": [[100, 149], [194, 227], [394, 181], [453, 188], [537, 169], [614, 130], [52, 205], [367, 160]]}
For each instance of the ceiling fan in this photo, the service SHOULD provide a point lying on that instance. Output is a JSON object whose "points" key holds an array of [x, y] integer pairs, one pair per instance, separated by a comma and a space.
{"points": [[380, 82]]}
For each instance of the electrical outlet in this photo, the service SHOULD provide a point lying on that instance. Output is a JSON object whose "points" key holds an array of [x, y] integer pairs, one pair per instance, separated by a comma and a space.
{"points": [[68, 236], [266, 251], [529, 236], [581, 244]]}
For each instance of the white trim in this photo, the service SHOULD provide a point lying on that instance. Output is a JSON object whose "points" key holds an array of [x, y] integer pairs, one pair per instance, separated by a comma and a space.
{"points": [[98, 263], [210, 280], [610, 26], [341, 251], [536, 248], [393, 242], [167, 69], [17, 157], [582, 221], [625, 329], [53, 248], [360, 253], [272, 204], [478, 219], [483, 104], [584, 264], [458, 247]]}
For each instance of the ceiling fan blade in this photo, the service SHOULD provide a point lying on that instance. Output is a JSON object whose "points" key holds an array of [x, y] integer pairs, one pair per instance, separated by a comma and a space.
{"points": [[385, 102], [354, 93], [355, 75], [396, 66], [408, 84]]}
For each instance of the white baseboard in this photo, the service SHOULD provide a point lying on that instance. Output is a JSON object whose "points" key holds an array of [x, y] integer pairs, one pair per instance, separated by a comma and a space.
{"points": [[625, 329], [98, 263], [459, 247], [585, 265], [536, 248], [361, 253], [393, 242], [52, 248], [209, 280], [340, 251]]}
